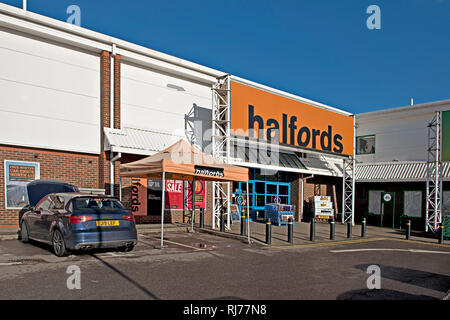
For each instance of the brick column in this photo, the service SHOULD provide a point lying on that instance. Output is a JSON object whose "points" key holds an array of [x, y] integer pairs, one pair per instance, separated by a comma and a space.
{"points": [[105, 97], [117, 97]]}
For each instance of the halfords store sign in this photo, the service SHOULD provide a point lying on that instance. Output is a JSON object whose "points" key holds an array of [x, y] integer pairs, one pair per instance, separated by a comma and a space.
{"points": [[263, 115]]}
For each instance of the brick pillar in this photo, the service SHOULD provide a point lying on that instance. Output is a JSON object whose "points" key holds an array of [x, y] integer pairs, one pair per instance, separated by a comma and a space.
{"points": [[117, 78], [105, 94]]}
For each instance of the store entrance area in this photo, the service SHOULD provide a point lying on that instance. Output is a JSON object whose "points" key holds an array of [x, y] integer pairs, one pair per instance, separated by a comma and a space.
{"points": [[265, 187]]}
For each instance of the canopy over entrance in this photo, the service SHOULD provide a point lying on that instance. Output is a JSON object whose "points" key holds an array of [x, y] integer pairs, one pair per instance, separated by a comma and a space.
{"points": [[181, 161]]}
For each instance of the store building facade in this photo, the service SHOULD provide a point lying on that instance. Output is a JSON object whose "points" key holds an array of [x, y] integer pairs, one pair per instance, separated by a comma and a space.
{"points": [[76, 104], [392, 151]]}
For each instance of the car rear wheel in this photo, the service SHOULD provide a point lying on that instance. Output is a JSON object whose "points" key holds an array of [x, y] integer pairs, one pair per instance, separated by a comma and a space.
{"points": [[59, 246], [24, 235]]}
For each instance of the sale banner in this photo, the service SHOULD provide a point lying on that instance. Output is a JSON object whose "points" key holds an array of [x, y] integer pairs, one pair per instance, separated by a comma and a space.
{"points": [[174, 194]]}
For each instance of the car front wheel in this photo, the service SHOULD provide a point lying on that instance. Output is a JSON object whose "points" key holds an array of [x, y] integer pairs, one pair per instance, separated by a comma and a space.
{"points": [[24, 235], [59, 246]]}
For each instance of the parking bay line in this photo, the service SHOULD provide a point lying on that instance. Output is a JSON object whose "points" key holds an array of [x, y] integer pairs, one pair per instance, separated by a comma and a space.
{"points": [[387, 249], [4, 264], [184, 245]]}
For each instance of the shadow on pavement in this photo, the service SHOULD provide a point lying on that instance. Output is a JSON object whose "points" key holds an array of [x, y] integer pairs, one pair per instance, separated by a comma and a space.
{"points": [[120, 273], [419, 278]]}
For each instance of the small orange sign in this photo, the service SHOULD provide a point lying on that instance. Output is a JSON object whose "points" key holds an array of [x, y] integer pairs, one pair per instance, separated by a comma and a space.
{"points": [[139, 196], [259, 114]]}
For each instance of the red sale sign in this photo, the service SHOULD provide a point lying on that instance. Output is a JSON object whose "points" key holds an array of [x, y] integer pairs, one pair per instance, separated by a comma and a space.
{"points": [[174, 194]]}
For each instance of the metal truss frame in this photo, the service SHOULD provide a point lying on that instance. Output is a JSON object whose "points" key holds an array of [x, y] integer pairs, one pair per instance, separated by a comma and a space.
{"points": [[348, 190], [433, 212], [348, 183], [221, 146]]}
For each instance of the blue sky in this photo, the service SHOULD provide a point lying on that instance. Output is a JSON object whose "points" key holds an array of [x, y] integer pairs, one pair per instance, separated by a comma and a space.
{"points": [[318, 49]]}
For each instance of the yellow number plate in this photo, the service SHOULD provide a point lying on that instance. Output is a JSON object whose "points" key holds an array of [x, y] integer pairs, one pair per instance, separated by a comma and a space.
{"points": [[107, 223]]}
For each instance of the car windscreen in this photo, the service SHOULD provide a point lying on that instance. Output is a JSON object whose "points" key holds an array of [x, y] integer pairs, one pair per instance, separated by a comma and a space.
{"points": [[84, 203]]}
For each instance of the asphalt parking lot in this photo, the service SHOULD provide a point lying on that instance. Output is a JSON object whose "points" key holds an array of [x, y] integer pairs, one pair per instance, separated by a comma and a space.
{"points": [[204, 266]]}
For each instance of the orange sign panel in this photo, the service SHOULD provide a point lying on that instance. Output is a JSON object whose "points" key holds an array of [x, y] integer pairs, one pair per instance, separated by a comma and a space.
{"points": [[139, 196], [259, 114]]}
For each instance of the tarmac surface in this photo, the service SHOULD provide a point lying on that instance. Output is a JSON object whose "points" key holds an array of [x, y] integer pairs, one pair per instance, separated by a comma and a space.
{"points": [[210, 265]]}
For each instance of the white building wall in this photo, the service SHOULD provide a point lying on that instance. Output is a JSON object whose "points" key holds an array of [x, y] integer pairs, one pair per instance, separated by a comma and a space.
{"points": [[401, 135], [149, 102], [49, 94]]}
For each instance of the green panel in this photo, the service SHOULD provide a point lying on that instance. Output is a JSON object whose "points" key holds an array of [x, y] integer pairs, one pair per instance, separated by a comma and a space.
{"points": [[447, 226], [445, 150]]}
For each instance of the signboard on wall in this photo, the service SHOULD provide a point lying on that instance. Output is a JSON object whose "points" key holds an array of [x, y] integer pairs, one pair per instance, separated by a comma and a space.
{"points": [[200, 192], [139, 196], [262, 115], [445, 128], [17, 175], [174, 194]]}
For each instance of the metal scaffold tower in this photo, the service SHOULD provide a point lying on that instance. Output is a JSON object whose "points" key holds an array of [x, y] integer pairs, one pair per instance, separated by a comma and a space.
{"points": [[348, 188], [221, 145], [348, 183], [433, 212]]}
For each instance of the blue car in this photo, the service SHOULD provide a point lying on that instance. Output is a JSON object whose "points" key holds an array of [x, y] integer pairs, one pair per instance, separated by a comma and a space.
{"points": [[76, 221]]}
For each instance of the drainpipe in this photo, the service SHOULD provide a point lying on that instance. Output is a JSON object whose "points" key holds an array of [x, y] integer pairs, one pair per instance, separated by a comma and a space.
{"points": [[111, 175], [111, 117]]}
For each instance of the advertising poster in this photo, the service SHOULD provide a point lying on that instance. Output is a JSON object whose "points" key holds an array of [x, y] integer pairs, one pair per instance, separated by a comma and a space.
{"points": [[17, 175], [174, 194], [200, 187], [139, 196]]}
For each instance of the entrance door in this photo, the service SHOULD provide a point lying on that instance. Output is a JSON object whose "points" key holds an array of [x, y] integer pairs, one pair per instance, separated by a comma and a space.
{"points": [[388, 209]]}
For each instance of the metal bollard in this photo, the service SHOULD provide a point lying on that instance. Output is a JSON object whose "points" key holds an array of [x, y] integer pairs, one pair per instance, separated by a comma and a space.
{"points": [[363, 228], [349, 230], [243, 225], [202, 218], [268, 232], [290, 231], [222, 222], [408, 230], [332, 229], [441, 234], [312, 230]]}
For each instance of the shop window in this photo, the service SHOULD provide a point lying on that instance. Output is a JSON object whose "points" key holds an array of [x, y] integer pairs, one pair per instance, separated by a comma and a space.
{"points": [[365, 144], [412, 203], [260, 187], [446, 203], [271, 189], [375, 202], [283, 190]]}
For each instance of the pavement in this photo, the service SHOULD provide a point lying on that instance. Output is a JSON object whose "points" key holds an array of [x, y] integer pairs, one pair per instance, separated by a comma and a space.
{"points": [[208, 264], [301, 234]]}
